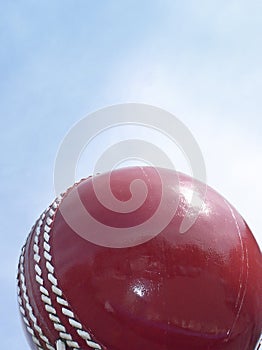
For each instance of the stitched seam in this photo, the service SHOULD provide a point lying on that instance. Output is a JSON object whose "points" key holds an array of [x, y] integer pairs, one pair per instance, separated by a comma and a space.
{"points": [[65, 308], [23, 298]]}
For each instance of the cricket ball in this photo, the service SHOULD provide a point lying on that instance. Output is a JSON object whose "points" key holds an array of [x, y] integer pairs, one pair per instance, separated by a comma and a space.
{"points": [[102, 271]]}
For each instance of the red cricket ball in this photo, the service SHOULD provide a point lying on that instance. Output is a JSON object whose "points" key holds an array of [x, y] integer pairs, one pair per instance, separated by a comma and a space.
{"points": [[141, 283]]}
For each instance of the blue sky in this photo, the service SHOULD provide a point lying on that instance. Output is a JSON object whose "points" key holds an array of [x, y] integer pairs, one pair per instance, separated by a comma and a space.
{"points": [[59, 61]]}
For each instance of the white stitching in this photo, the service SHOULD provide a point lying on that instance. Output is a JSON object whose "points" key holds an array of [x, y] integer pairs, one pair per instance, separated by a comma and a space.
{"points": [[50, 267], [60, 345], [47, 256], [44, 292], [45, 297], [67, 312], [74, 323], [60, 300], [21, 279], [39, 280], [57, 291], [52, 279]]}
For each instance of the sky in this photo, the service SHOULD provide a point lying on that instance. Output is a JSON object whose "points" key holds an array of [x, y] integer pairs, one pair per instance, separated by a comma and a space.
{"points": [[60, 61]]}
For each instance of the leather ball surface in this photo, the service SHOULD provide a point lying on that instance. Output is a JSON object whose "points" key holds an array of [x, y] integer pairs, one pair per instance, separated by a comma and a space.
{"points": [[197, 290]]}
